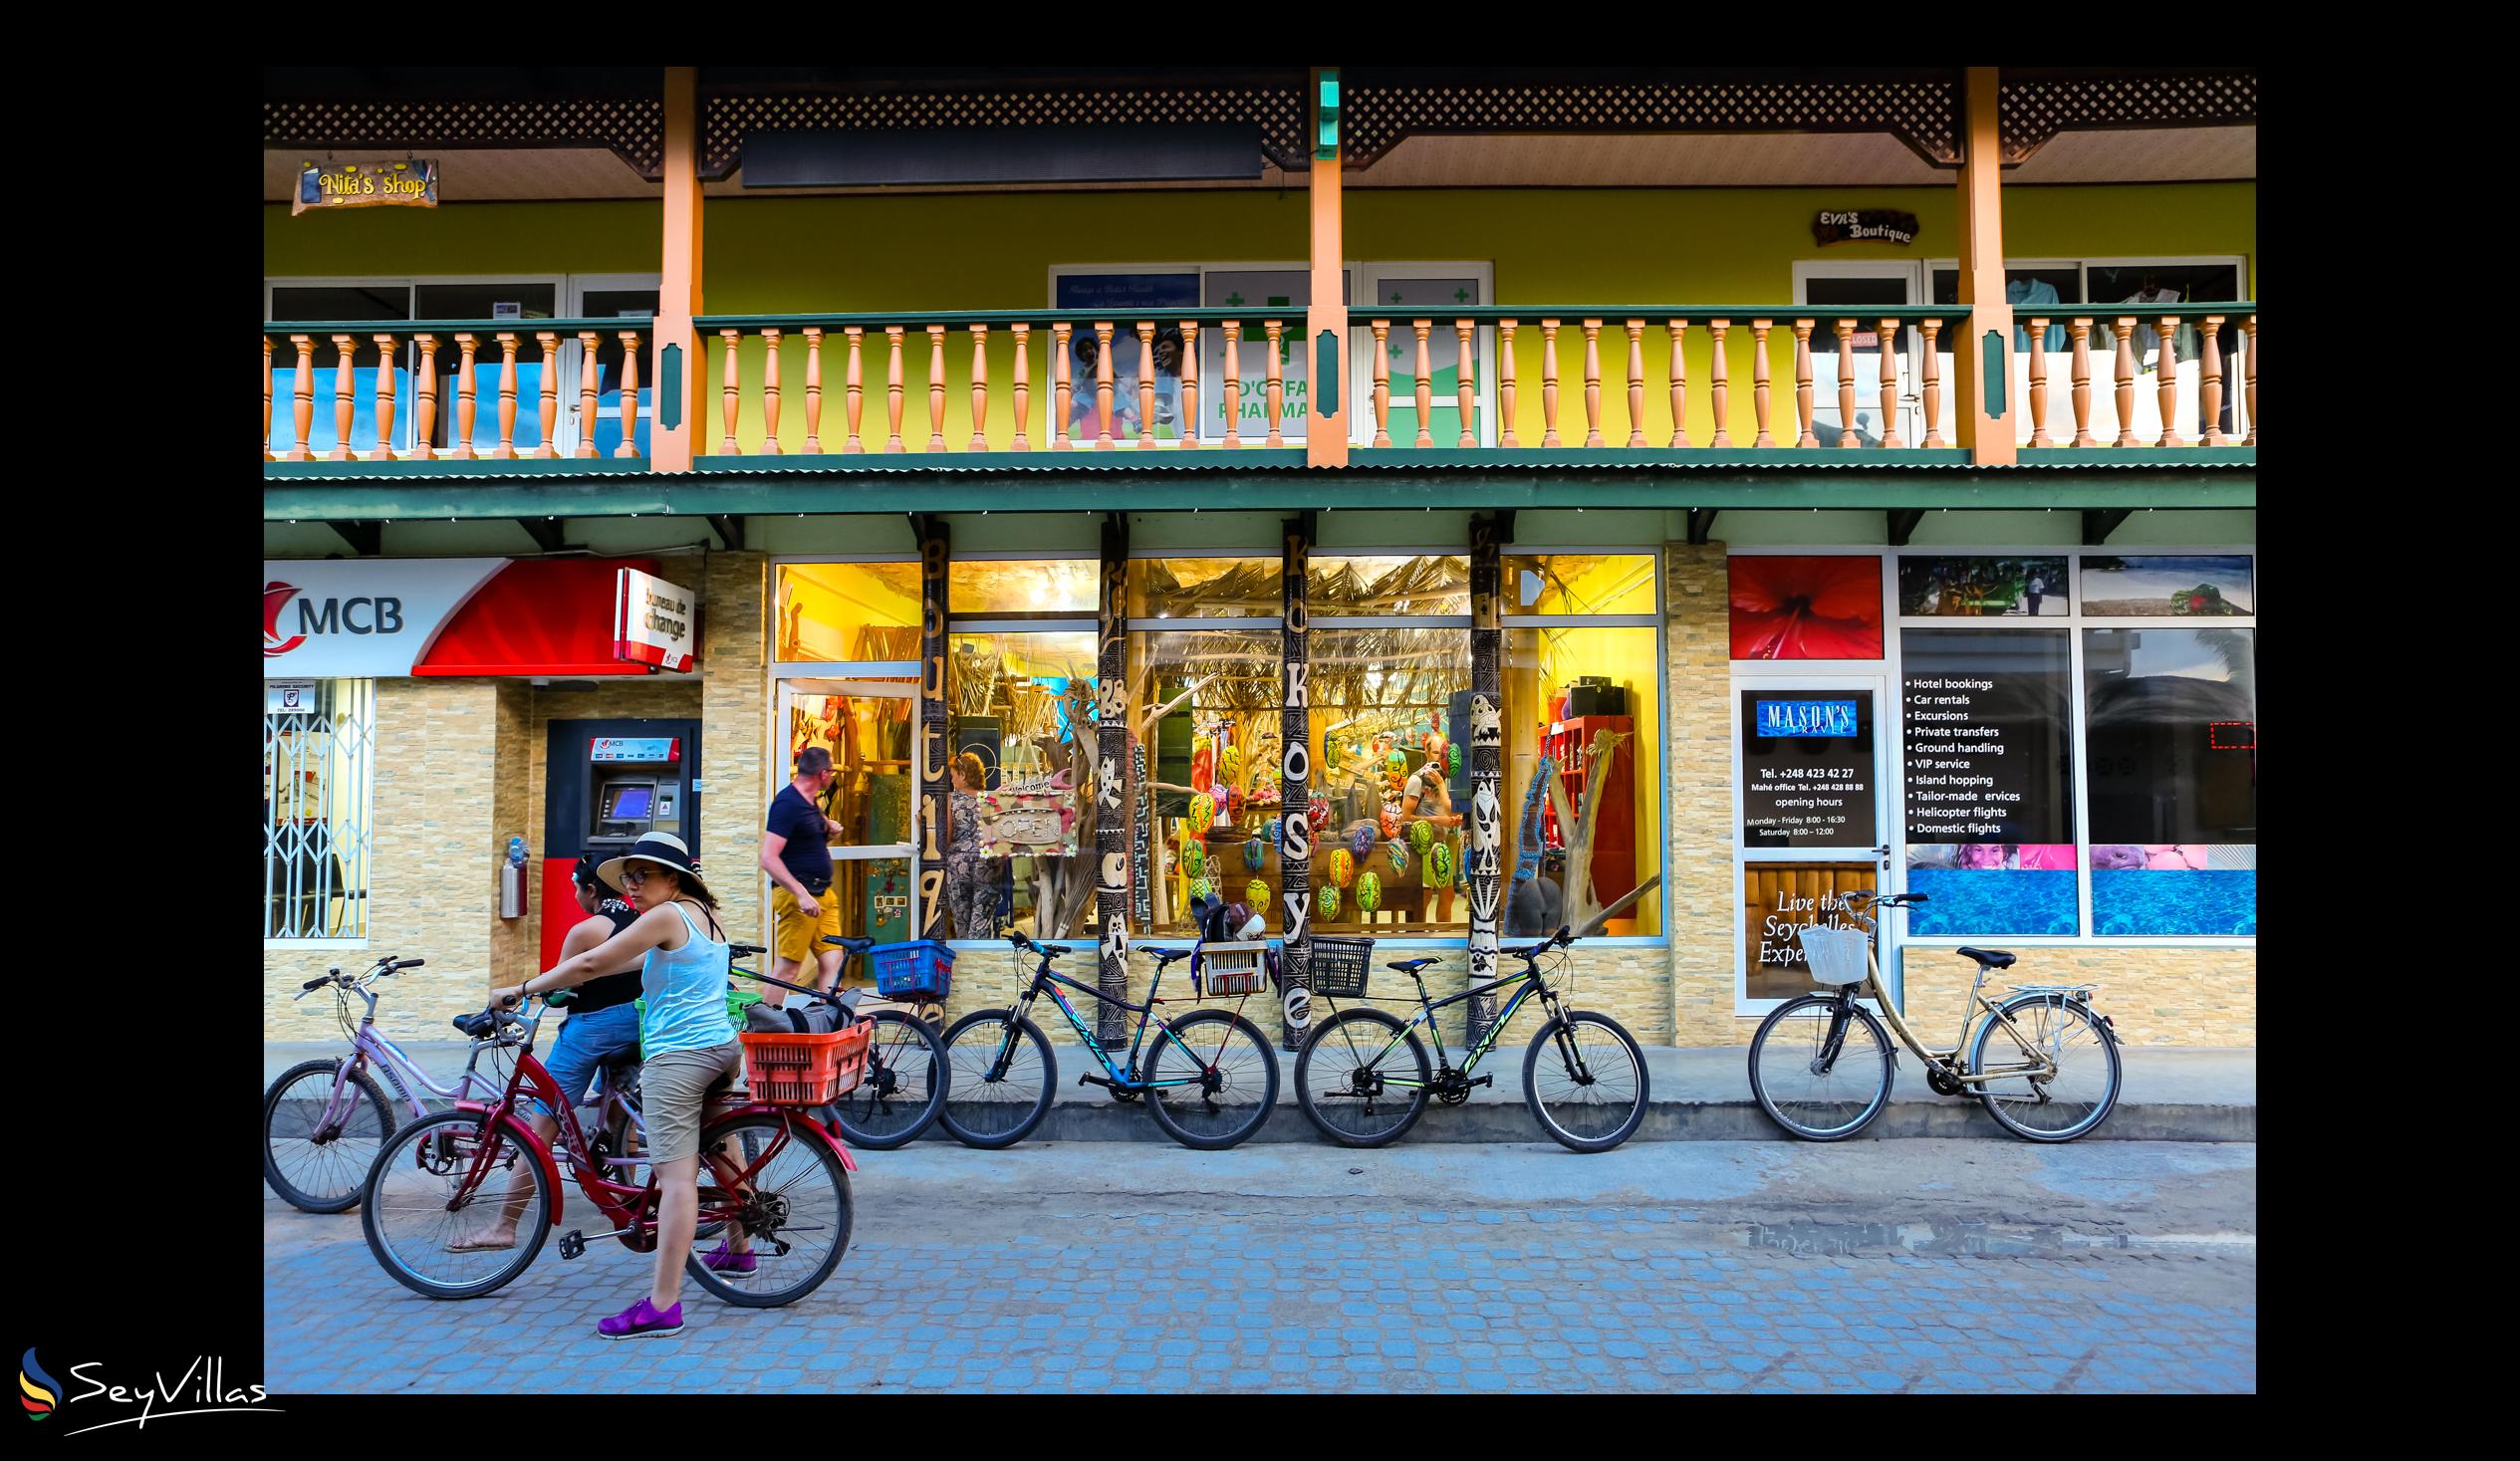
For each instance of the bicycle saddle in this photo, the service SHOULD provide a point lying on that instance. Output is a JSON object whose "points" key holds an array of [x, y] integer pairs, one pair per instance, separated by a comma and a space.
{"points": [[1991, 958], [1411, 966], [853, 945], [1163, 957]]}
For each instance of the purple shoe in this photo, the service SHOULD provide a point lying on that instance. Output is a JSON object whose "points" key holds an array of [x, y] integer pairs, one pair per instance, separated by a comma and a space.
{"points": [[724, 1261], [640, 1321]]}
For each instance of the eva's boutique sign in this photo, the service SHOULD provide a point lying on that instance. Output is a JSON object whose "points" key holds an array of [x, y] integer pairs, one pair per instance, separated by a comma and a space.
{"points": [[1853, 225]]}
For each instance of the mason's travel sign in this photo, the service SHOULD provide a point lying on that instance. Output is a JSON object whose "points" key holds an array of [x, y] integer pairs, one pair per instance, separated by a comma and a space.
{"points": [[410, 183], [1853, 225]]}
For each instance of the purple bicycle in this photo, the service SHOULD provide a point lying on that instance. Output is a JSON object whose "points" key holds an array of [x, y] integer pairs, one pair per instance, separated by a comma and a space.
{"points": [[325, 1120]]}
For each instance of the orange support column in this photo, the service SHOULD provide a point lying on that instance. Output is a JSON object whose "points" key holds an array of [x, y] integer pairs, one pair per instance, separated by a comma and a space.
{"points": [[1331, 380], [1983, 354], [673, 434]]}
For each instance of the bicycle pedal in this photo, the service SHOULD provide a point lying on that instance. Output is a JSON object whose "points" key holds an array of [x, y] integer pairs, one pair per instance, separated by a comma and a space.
{"points": [[1487, 1079], [572, 1243]]}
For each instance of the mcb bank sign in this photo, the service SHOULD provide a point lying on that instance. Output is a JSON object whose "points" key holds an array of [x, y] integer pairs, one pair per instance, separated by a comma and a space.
{"points": [[331, 619], [335, 618]]}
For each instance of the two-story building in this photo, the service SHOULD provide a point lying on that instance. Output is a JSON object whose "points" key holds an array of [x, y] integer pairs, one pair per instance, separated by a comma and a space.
{"points": [[1424, 504]]}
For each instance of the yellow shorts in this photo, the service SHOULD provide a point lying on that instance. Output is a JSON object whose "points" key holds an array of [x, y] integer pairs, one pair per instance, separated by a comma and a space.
{"points": [[798, 937]]}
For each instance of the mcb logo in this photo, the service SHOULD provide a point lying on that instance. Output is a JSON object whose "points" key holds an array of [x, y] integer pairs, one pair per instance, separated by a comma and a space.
{"points": [[362, 616], [276, 597]]}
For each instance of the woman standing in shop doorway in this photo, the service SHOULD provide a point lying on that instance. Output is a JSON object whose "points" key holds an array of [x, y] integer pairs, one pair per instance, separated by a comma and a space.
{"points": [[970, 879], [690, 1049], [1429, 797]]}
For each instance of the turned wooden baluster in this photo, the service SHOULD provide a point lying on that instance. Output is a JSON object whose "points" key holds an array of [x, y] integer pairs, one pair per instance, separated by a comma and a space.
{"points": [[1466, 381], [547, 394], [423, 438], [1277, 383], [1062, 391], [729, 389], [2125, 327], [812, 389], [2167, 362], [386, 347], [267, 398], [1677, 332], [1381, 383], [1426, 384], [464, 405], [1889, 384], [1759, 390], [1717, 385], [893, 391], [1802, 381], [853, 387], [506, 450], [2081, 329], [629, 395], [1189, 384], [2039, 382], [344, 396], [1549, 383], [589, 381], [1934, 385], [1505, 384], [2248, 334], [1636, 383], [1233, 384], [1591, 382], [1846, 385], [1103, 386], [935, 387], [770, 392], [1146, 383], [2212, 388], [980, 388], [1023, 386]]}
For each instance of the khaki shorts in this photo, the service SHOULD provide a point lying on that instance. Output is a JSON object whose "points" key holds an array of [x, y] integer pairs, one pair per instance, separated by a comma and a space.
{"points": [[671, 1088], [798, 937]]}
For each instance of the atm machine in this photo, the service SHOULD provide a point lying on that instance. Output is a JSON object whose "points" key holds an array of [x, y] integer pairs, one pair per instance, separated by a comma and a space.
{"points": [[607, 784]]}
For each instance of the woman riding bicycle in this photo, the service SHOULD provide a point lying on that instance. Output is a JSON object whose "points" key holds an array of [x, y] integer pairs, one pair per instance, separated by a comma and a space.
{"points": [[689, 1048]]}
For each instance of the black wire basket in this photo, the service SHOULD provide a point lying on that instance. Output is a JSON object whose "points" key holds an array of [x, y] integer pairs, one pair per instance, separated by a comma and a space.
{"points": [[1339, 966]]}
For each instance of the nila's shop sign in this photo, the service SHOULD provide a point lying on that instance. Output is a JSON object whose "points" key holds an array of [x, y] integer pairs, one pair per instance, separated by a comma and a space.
{"points": [[410, 183], [1857, 224]]}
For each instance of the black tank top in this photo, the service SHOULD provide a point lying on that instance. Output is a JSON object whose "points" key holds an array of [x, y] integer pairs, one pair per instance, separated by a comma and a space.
{"points": [[612, 989]]}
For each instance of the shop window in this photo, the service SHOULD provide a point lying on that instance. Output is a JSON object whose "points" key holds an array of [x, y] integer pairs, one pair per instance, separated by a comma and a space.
{"points": [[1015, 588], [1983, 588], [1795, 607], [1023, 706], [1580, 583], [317, 736], [1387, 707], [1205, 588], [2175, 585], [869, 735], [1340, 585], [1989, 779], [1205, 710], [2170, 729], [1584, 699], [849, 612]]}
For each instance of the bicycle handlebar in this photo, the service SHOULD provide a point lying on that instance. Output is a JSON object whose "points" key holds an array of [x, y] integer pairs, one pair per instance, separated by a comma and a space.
{"points": [[1558, 940], [1046, 950]]}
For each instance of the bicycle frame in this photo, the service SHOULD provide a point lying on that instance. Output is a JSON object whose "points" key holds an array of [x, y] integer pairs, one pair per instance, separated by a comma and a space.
{"points": [[2040, 1066], [1529, 977], [392, 1060], [1123, 1077]]}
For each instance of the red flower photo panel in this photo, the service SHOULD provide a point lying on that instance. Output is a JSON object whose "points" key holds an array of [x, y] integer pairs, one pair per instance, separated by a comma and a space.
{"points": [[1806, 607]]}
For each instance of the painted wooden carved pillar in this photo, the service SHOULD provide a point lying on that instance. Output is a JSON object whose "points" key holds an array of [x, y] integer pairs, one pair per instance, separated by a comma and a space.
{"points": [[1487, 764], [1295, 783], [935, 730], [1112, 821]]}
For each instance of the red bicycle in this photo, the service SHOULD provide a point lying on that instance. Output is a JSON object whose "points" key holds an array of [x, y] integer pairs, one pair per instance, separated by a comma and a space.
{"points": [[772, 1177]]}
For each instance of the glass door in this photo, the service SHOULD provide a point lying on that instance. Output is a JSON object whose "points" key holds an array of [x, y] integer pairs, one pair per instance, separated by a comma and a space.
{"points": [[632, 299], [1837, 290], [1402, 294], [1811, 819], [868, 727]]}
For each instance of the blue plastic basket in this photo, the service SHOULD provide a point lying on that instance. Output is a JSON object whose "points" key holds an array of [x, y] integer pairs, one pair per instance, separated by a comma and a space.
{"points": [[922, 966]]}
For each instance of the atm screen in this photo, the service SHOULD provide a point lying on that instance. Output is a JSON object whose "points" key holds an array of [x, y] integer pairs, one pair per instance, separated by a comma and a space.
{"points": [[628, 803]]}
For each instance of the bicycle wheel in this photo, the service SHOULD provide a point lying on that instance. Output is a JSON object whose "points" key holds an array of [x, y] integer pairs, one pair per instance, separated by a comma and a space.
{"points": [[993, 1114], [313, 1165], [412, 1209], [793, 1203], [2072, 1101], [1816, 1094], [905, 1085], [1355, 1086], [1584, 1080], [1232, 1079]]}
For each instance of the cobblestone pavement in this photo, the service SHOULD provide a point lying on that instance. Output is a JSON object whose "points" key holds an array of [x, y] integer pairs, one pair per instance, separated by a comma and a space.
{"points": [[1041, 1271]]}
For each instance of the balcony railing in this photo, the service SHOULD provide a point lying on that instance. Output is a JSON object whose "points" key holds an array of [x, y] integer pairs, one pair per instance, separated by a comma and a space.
{"points": [[449, 365]]}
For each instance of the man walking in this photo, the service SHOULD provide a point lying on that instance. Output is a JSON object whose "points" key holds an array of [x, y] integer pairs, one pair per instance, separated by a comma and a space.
{"points": [[795, 853]]}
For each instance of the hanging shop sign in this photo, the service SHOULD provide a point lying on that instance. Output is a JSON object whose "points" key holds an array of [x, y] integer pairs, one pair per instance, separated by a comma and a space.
{"points": [[1856, 225], [372, 619], [410, 183], [653, 622]]}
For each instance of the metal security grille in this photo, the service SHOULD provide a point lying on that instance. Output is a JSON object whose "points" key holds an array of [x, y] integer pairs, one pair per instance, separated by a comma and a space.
{"points": [[316, 807]]}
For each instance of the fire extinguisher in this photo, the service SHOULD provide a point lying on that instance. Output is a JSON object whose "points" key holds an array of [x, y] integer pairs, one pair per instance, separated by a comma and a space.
{"points": [[512, 881]]}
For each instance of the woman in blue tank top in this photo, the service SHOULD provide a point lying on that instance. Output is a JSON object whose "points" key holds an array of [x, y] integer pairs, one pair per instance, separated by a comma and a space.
{"points": [[689, 1049]]}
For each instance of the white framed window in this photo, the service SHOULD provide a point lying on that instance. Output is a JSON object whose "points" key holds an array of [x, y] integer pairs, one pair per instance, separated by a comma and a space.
{"points": [[318, 804]]}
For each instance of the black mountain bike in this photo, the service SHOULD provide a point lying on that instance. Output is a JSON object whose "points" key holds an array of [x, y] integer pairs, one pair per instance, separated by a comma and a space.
{"points": [[1363, 1077]]}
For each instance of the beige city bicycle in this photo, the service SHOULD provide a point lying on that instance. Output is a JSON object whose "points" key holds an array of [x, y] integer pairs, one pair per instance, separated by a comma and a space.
{"points": [[2041, 1059]]}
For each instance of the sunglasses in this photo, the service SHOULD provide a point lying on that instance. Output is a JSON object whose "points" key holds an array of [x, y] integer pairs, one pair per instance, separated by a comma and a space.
{"points": [[633, 876]]}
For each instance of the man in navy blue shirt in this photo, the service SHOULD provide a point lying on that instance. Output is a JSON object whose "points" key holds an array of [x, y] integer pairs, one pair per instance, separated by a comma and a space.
{"points": [[795, 853]]}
